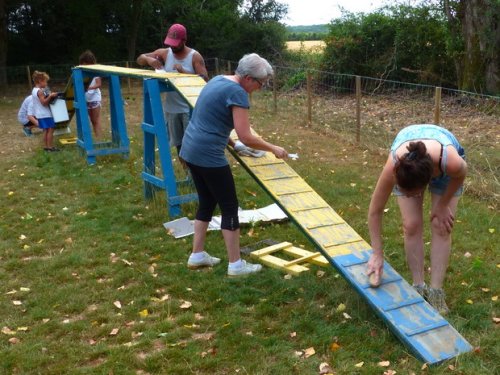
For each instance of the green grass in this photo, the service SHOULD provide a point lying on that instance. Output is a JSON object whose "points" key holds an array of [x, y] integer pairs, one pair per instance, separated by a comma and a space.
{"points": [[92, 239]]}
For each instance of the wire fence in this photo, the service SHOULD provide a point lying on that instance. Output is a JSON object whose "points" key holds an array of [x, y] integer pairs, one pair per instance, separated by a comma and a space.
{"points": [[363, 110]]}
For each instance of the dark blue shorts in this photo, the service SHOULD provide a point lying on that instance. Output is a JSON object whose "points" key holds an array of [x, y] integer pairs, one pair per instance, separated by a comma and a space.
{"points": [[46, 123]]}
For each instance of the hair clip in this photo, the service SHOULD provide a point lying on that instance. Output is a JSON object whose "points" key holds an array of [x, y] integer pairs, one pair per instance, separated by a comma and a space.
{"points": [[411, 155]]}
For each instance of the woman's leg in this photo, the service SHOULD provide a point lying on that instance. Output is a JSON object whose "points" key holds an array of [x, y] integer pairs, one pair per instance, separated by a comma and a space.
{"points": [[412, 216], [440, 246], [206, 207]]}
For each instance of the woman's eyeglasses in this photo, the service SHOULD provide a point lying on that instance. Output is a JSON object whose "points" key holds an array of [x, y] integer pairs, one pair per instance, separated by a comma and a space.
{"points": [[261, 84]]}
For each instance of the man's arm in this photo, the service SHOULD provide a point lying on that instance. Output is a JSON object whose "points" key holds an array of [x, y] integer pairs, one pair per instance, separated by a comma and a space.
{"points": [[199, 66], [155, 59]]}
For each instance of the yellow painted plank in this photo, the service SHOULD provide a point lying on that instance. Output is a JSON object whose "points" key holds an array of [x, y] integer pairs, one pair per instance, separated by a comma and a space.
{"points": [[275, 262], [271, 249], [302, 259], [319, 260]]}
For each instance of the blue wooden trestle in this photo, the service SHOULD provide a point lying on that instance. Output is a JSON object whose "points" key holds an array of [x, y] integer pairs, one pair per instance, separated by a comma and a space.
{"points": [[120, 143], [154, 127]]}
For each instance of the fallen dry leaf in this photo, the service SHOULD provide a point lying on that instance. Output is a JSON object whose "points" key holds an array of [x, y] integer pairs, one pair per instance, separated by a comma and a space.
{"points": [[203, 336], [198, 316], [320, 273], [360, 364], [384, 363], [309, 352], [8, 331], [334, 346], [325, 369], [293, 334], [340, 307], [143, 313], [346, 315], [14, 340], [496, 320], [467, 255], [114, 332], [424, 366], [186, 305], [117, 304], [390, 372], [451, 368], [17, 303]]}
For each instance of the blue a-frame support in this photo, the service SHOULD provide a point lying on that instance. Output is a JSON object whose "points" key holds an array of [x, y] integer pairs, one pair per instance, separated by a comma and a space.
{"points": [[154, 127], [119, 143]]}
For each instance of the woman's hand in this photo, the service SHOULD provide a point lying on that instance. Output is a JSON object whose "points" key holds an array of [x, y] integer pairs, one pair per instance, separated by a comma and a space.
{"points": [[279, 152], [375, 268], [443, 218]]}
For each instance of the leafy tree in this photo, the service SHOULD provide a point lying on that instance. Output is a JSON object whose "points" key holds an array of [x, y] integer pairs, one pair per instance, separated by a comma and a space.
{"points": [[399, 43]]}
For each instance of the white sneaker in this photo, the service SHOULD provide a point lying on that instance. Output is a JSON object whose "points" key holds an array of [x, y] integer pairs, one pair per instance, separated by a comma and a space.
{"points": [[245, 269], [207, 261]]}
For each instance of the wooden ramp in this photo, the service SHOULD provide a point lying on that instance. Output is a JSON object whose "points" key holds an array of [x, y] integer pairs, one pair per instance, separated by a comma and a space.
{"points": [[421, 328]]}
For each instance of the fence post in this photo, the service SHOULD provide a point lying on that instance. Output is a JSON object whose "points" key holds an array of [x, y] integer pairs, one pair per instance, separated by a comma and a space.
{"points": [[128, 79], [437, 106], [309, 100], [358, 109], [28, 71], [217, 66], [275, 91]]}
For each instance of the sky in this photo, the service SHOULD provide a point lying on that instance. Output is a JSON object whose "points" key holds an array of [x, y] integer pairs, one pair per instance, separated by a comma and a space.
{"points": [[313, 12]]}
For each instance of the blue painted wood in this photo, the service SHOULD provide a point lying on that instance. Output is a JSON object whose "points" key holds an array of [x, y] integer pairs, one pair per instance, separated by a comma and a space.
{"points": [[120, 143], [155, 129], [83, 127], [421, 328]]}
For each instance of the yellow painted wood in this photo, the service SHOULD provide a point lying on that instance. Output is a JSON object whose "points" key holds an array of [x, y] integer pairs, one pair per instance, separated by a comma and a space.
{"points": [[304, 206], [278, 263], [67, 141], [188, 86], [302, 259], [271, 249], [319, 260], [290, 266]]}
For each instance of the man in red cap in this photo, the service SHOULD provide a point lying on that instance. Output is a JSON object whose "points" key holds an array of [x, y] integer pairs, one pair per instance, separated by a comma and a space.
{"points": [[177, 57]]}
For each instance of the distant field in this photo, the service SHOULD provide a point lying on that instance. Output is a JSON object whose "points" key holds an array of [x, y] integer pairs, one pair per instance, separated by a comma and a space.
{"points": [[312, 45]]}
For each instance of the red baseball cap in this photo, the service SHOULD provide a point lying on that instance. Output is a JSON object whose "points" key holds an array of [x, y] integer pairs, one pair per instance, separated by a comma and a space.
{"points": [[176, 34]]}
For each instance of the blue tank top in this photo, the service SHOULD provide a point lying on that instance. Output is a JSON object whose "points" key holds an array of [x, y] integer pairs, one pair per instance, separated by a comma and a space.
{"points": [[427, 131]]}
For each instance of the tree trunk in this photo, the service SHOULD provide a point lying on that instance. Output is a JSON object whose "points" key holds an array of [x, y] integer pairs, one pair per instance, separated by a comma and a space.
{"points": [[3, 44], [481, 35], [134, 22]]}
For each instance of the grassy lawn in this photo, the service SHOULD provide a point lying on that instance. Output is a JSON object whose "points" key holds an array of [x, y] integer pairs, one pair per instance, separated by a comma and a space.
{"points": [[91, 282]]}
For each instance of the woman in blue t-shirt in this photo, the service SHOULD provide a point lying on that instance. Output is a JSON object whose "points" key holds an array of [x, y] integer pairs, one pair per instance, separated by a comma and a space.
{"points": [[221, 107], [420, 156]]}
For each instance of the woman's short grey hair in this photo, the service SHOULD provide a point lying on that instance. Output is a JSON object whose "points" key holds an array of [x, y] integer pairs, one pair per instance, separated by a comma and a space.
{"points": [[254, 66]]}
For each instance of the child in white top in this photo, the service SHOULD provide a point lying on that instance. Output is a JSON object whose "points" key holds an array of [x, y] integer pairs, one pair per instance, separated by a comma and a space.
{"points": [[41, 109], [93, 94], [26, 117]]}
